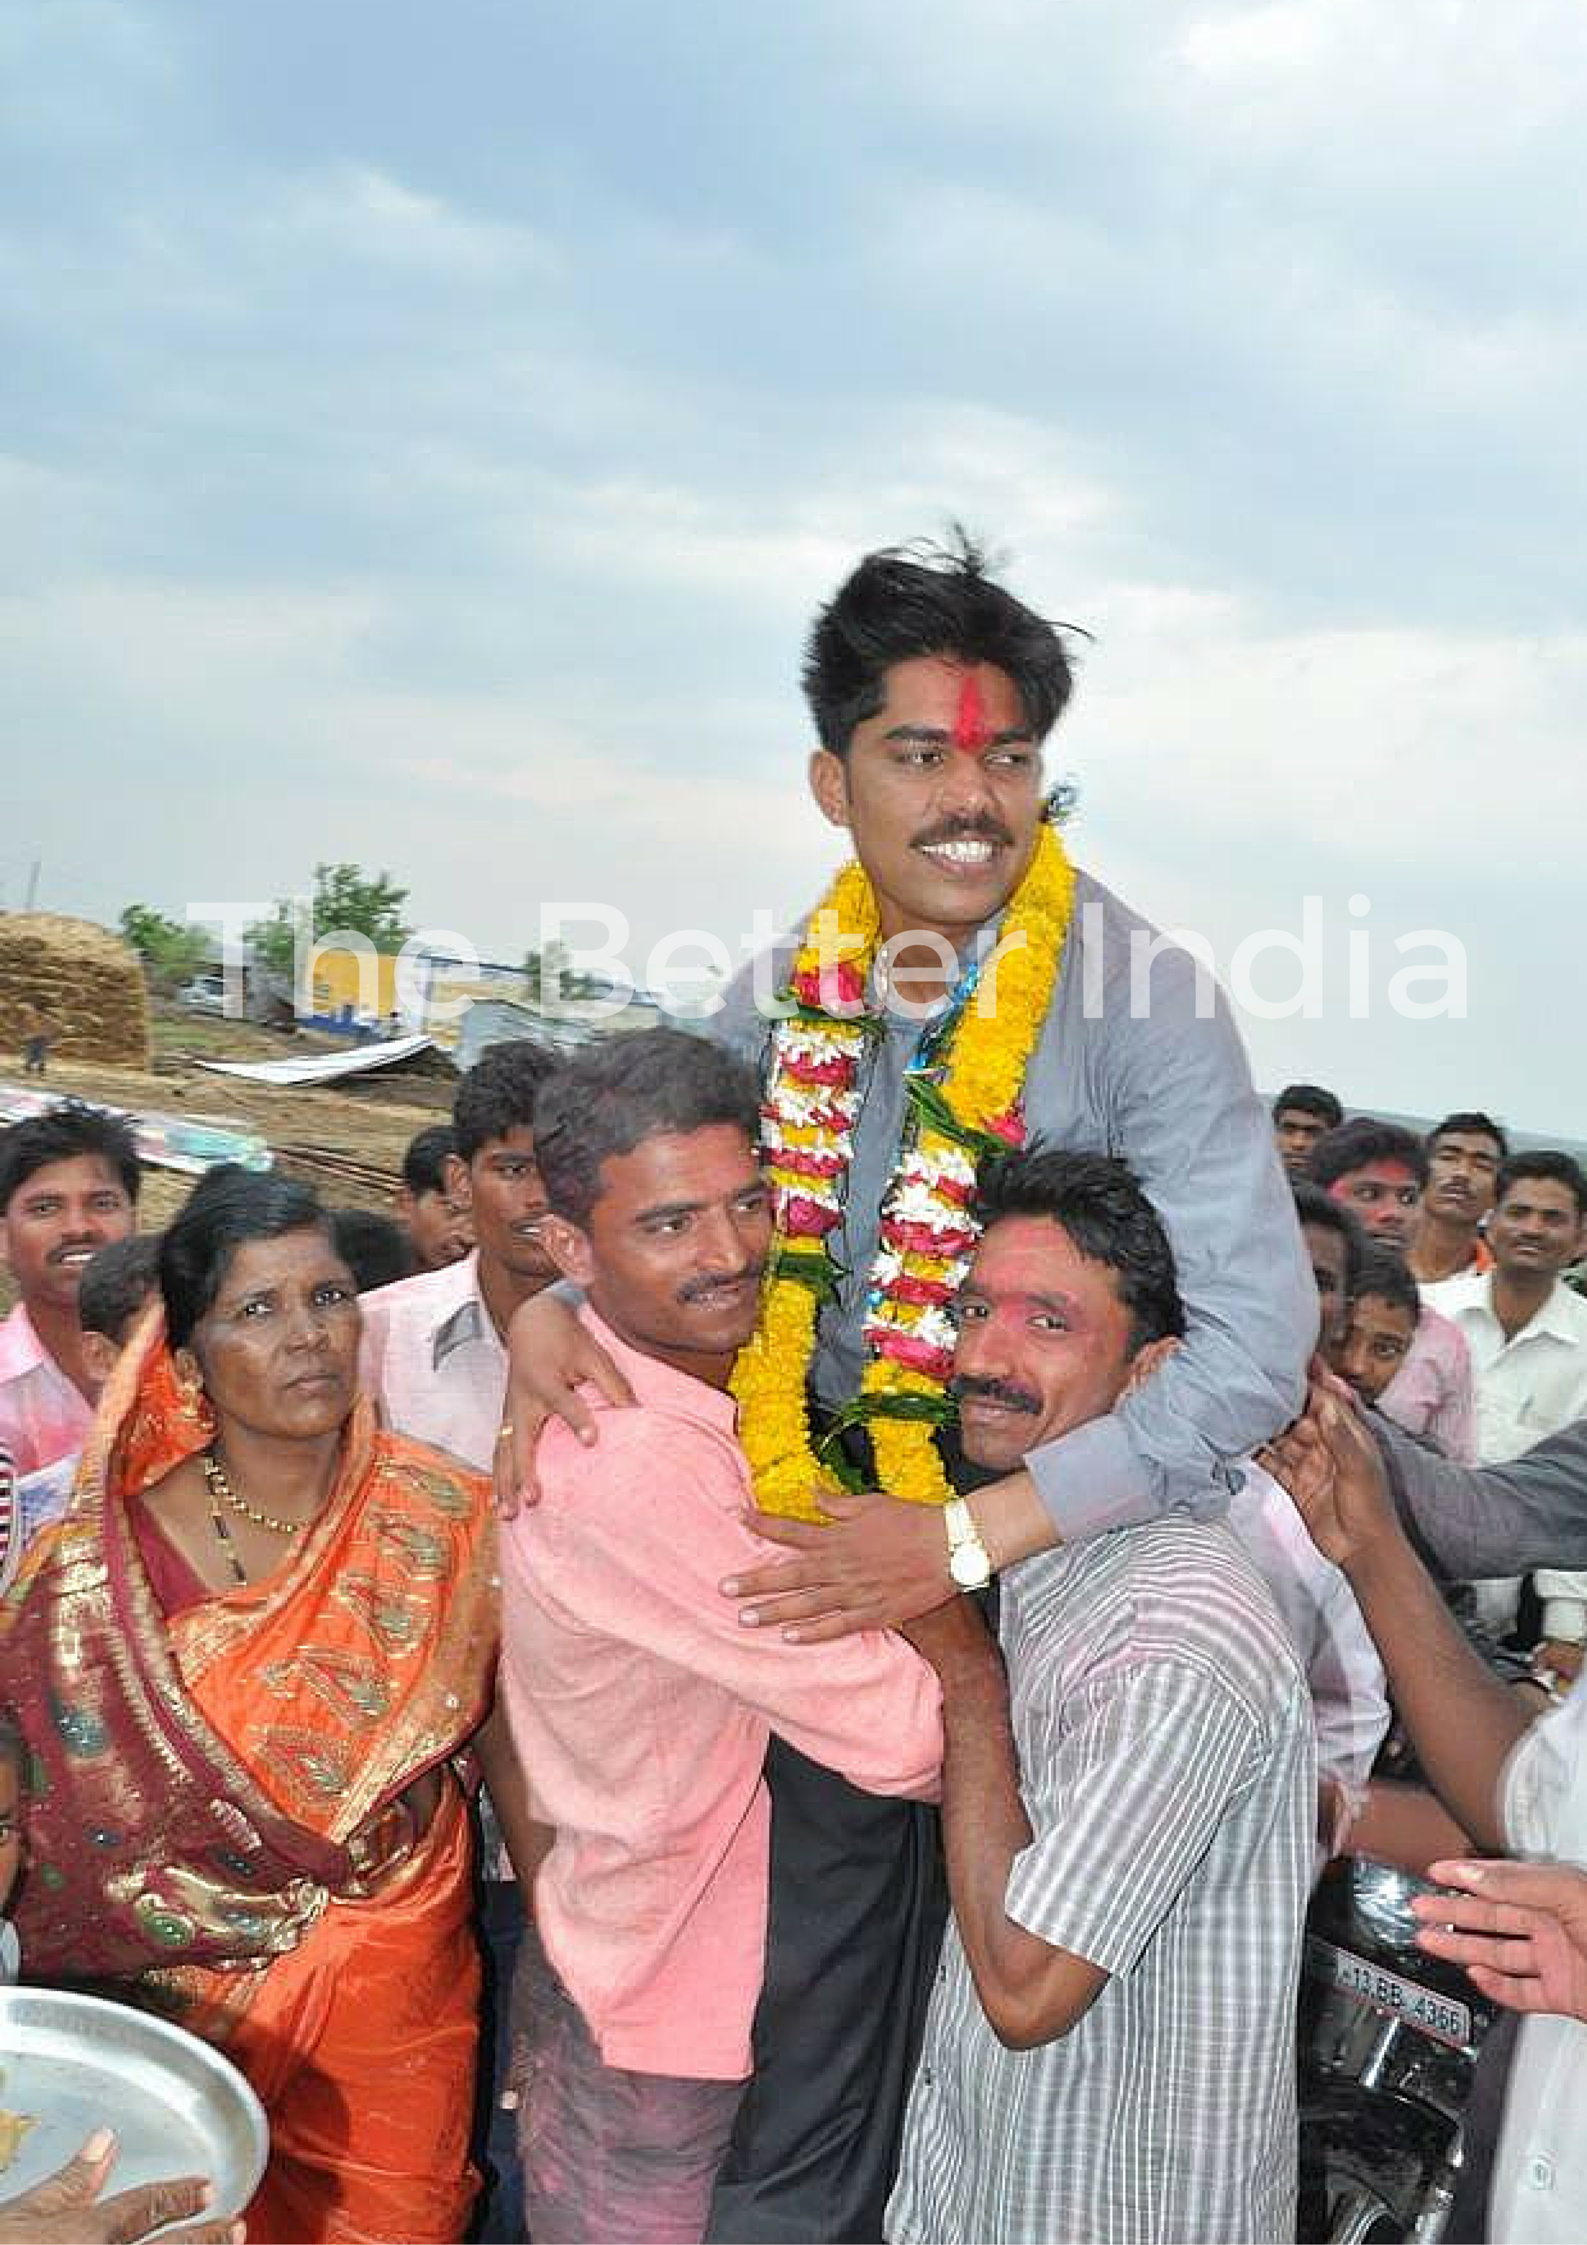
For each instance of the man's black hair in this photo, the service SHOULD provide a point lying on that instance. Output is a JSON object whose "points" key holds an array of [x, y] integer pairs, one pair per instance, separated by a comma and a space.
{"points": [[375, 1248], [62, 1133], [1561, 1169], [616, 1093], [1314, 1206], [424, 1163], [1361, 1140], [906, 601], [500, 1093], [228, 1207], [117, 1280], [1387, 1277], [1309, 1099], [1471, 1125], [1098, 1201]]}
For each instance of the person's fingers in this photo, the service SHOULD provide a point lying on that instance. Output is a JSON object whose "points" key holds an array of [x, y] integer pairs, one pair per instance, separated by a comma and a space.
{"points": [[793, 1535], [1514, 1994], [601, 1372], [76, 2184], [512, 1460], [1494, 1952], [131, 2214], [784, 1606], [1541, 1886], [845, 1622]]}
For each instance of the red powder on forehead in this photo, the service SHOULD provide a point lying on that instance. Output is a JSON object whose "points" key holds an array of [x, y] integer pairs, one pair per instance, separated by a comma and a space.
{"points": [[970, 729]]}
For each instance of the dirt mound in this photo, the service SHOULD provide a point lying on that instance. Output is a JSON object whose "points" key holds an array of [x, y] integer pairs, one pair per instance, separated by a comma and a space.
{"points": [[75, 980]]}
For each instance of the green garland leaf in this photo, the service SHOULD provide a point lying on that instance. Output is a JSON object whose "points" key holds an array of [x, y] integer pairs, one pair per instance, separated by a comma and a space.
{"points": [[931, 1111]]}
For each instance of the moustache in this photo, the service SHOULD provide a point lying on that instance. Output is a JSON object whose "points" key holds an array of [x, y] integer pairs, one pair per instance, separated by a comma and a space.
{"points": [[966, 830], [697, 1289], [968, 1390]]}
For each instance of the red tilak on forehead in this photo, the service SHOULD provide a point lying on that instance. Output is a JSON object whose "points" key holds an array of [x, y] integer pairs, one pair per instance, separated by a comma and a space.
{"points": [[971, 731]]}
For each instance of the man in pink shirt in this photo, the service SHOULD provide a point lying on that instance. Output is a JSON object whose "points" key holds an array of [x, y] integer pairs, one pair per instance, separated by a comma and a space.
{"points": [[68, 1186], [640, 1707], [1377, 1170]]}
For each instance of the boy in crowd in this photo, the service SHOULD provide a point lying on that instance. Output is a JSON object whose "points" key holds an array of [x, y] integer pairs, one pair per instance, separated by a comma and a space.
{"points": [[1428, 1392], [68, 1186], [640, 1707], [1301, 1115], [113, 1293], [1335, 1245], [431, 1207], [1377, 1170], [1464, 1153], [434, 1357]]}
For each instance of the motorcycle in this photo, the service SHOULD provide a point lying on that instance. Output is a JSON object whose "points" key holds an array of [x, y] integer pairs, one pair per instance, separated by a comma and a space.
{"points": [[1388, 2044]]}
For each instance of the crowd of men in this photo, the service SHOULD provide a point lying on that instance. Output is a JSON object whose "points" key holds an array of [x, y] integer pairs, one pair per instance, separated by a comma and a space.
{"points": [[939, 1873]]}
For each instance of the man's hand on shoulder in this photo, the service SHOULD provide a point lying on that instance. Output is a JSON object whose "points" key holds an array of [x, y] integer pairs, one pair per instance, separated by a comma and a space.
{"points": [[550, 1356], [879, 1564]]}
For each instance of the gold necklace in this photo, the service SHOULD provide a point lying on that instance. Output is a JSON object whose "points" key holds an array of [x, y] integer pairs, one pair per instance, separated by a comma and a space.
{"points": [[219, 1486]]}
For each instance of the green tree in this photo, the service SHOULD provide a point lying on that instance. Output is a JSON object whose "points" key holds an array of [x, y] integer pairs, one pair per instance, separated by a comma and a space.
{"points": [[344, 897], [548, 976], [171, 951]]}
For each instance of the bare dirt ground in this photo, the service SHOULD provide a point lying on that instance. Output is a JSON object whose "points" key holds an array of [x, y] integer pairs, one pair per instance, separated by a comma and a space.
{"points": [[368, 1121]]}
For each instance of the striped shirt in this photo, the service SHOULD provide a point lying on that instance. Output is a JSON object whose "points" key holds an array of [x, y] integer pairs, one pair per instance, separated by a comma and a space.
{"points": [[1167, 1762]]}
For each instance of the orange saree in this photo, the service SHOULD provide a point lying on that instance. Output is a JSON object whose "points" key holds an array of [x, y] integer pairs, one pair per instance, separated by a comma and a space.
{"points": [[216, 1811]]}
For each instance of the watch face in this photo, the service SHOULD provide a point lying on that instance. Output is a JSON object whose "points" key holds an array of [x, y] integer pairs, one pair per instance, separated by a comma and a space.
{"points": [[969, 1566]]}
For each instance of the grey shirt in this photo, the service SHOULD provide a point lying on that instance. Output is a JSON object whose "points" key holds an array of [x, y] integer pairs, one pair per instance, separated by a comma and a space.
{"points": [[1139, 1058], [1164, 1736], [1493, 1519]]}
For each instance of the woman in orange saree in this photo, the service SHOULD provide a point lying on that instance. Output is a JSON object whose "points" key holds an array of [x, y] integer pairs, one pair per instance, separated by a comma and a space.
{"points": [[241, 1666]]}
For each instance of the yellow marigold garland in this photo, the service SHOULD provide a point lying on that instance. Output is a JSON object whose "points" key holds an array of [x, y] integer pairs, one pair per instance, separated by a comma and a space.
{"points": [[926, 1229]]}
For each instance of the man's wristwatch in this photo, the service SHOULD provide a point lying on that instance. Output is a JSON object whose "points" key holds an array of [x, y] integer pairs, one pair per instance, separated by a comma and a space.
{"points": [[969, 1561]]}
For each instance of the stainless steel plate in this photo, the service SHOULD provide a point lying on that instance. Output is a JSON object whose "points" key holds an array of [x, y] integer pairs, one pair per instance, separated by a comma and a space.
{"points": [[76, 2063]]}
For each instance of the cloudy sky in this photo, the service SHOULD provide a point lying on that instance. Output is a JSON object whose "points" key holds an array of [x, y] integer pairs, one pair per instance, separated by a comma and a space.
{"points": [[427, 429]]}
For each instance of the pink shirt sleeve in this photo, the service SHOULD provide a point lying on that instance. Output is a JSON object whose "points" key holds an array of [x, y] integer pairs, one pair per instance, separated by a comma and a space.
{"points": [[1453, 1424], [641, 1532]]}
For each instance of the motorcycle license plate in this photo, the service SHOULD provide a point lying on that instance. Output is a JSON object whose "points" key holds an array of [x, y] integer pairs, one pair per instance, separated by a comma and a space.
{"points": [[1439, 2016]]}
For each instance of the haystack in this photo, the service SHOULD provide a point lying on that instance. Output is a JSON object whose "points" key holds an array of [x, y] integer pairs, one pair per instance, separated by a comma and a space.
{"points": [[84, 981]]}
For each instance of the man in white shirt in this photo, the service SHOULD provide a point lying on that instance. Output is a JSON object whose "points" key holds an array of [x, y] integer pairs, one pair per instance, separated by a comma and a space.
{"points": [[434, 1357], [1527, 1334], [1507, 1785]]}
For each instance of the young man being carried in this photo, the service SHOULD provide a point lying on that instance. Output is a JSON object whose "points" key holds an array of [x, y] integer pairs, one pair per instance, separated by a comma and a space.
{"points": [[932, 694], [68, 1186], [933, 689], [639, 1708], [1127, 1811]]}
